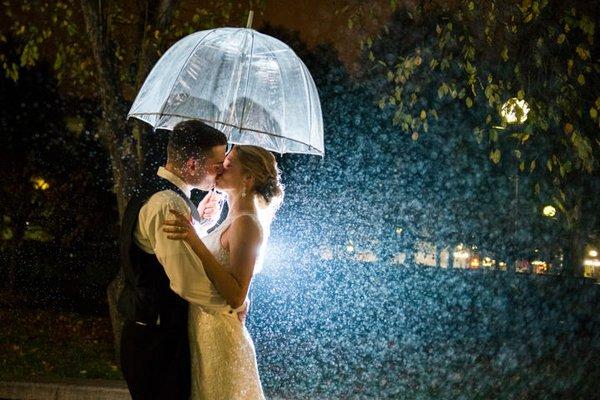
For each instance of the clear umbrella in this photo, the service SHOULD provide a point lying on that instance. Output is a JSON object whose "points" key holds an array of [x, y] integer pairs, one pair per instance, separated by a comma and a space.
{"points": [[251, 86]]}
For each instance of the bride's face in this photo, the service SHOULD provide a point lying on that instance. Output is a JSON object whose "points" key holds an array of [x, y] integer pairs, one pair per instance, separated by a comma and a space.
{"points": [[232, 175]]}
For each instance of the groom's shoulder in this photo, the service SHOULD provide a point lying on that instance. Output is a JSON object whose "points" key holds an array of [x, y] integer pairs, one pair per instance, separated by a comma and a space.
{"points": [[164, 199]]}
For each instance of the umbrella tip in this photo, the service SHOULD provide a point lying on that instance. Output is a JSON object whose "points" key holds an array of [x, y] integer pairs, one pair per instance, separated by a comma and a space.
{"points": [[250, 18]]}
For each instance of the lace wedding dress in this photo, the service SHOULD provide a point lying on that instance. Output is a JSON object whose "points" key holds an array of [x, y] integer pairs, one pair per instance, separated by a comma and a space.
{"points": [[222, 352]]}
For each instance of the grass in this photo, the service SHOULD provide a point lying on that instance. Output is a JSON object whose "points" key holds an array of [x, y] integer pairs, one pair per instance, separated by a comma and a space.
{"points": [[51, 344]]}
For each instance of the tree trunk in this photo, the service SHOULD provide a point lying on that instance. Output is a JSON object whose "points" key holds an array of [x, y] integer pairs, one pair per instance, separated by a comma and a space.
{"points": [[123, 146], [124, 165], [451, 256], [574, 254]]}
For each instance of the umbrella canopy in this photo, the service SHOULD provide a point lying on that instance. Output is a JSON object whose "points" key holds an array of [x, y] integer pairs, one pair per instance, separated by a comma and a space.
{"points": [[249, 85]]}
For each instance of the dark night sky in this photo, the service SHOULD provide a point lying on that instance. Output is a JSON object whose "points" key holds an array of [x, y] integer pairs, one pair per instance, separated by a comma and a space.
{"points": [[317, 22]]}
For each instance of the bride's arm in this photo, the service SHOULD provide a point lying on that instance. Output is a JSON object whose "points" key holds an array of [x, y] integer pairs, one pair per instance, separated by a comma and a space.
{"points": [[244, 243]]}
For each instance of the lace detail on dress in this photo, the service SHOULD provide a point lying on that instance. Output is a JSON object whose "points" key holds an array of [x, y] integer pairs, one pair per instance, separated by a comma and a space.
{"points": [[222, 352]]}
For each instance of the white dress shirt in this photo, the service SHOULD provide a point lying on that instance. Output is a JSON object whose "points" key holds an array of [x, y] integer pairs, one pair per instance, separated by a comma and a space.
{"points": [[182, 266]]}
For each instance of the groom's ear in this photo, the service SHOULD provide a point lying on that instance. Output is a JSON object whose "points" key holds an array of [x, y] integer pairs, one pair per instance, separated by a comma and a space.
{"points": [[193, 165], [188, 165]]}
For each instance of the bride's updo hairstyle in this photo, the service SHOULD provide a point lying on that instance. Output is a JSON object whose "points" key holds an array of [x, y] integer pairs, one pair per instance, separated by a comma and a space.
{"points": [[262, 165]]}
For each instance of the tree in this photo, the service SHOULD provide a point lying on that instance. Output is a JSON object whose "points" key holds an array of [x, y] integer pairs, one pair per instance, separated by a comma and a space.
{"points": [[54, 189], [104, 50], [480, 55], [382, 192]]}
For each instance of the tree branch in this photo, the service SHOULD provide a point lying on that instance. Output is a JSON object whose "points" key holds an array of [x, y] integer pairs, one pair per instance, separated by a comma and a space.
{"points": [[113, 129], [164, 13], [160, 17], [108, 78]]}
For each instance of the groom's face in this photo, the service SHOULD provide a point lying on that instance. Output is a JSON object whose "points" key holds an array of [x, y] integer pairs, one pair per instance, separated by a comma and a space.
{"points": [[203, 176]]}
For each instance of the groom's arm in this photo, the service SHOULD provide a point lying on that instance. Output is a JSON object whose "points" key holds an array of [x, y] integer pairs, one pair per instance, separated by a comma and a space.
{"points": [[178, 260]]}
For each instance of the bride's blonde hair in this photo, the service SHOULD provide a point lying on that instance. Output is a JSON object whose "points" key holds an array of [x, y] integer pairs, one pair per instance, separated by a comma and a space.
{"points": [[269, 190], [262, 165]]}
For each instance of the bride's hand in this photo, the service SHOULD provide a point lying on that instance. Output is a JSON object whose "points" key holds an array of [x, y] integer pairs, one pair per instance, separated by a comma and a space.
{"points": [[211, 206], [180, 228]]}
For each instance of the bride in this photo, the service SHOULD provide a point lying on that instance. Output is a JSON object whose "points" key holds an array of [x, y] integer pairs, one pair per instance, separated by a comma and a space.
{"points": [[222, 352]]}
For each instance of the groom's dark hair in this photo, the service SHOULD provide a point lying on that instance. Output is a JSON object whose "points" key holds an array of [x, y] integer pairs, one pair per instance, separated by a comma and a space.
{"points": [[193, 139]]}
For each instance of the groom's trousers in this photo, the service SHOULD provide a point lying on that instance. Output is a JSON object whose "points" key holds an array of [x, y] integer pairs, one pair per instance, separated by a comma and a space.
{"points": [[155, 362]]}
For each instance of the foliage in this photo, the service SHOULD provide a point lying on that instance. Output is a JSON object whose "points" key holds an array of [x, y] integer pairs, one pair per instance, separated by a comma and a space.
{"points": [[382, 193], [55, 189], [104, 50], [55, 32], [441, 61], [54, 345]]}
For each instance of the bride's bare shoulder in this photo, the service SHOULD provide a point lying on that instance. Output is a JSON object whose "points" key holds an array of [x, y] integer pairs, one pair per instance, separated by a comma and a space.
{"points": [[246, 226]]}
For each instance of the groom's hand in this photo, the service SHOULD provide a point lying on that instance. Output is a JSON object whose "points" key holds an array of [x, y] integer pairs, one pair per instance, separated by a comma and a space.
{"points": [[210, 207]]}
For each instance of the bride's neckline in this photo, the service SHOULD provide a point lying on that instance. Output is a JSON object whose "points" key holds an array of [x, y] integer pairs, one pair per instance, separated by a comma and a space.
{"points": [[226, 224], [229, 220]]}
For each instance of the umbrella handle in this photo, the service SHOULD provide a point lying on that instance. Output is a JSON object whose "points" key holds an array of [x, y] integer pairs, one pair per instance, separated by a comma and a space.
{"points": [[250, 18]]}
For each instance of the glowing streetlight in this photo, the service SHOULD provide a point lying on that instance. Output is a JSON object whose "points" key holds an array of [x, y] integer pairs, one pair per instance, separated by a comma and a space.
{"points": [[40, 183], [488, 262], [593, 253], [461, 253], [366, 256], [514, 111], [591, 262], [549, 211]]}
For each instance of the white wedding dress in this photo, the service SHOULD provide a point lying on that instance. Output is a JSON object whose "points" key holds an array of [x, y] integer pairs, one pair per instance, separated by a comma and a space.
{"points": [[221, 349]]}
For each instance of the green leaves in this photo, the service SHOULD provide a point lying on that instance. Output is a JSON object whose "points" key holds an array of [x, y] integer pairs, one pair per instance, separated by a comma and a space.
{"points": [[38, 234], [504, 54], [495, 156], [6, 233], [477, 60], [583, 150], [583, 53], [443, 90], [588, 27], [30, 54], [58, 61], [11, 70]]}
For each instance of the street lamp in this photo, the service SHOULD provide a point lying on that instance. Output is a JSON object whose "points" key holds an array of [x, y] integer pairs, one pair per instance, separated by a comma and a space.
{"points": [[514, 111], [40, 183], [549, 211]]}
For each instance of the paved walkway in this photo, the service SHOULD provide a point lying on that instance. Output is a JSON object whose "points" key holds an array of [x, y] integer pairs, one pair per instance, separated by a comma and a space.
{"points": [[65, 389]]}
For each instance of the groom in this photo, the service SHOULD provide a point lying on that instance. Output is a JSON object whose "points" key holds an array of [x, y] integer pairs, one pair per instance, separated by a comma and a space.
{"points": [[154, 344]]}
